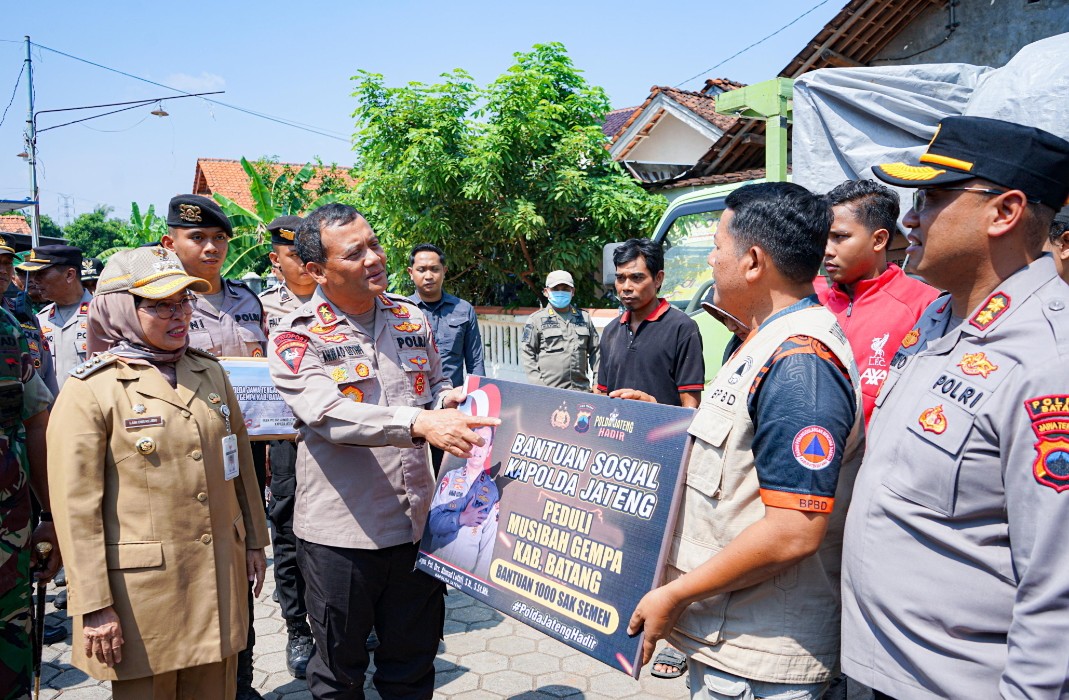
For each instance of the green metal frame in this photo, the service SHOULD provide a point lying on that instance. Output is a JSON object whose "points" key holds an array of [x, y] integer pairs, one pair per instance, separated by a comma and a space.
{"points": [[771, 101]]}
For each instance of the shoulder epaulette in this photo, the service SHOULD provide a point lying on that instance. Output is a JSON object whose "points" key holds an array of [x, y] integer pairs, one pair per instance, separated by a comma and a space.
{"points": [[201, 353], [93, 364], [398, 297]]}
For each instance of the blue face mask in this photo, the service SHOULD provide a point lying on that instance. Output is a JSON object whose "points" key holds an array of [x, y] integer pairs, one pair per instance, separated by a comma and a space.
{"points": [[560, 300]]}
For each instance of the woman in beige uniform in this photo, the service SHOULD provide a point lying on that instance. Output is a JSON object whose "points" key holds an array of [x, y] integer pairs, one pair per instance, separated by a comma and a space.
{"points": [[154, 494]]}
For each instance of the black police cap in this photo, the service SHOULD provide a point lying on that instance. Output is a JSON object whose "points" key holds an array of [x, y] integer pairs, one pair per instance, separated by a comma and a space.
{"points": [[283, 229], [45, 256], [1012, 155], [91, 269], [194, 211]]}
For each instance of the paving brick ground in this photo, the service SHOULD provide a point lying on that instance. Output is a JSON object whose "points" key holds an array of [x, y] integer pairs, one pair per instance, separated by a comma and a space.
{"points": [[485, 655]]}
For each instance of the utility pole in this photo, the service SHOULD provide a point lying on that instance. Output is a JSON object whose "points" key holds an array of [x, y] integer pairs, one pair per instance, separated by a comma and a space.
{"points": [[31, 150]]}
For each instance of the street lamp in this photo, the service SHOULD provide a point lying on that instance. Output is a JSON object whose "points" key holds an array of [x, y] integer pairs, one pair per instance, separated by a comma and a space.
{"points": [[30, 151]]}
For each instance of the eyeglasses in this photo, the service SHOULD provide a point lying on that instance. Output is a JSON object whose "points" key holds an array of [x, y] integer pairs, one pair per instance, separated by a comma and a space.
{"points": [[167, 309], [920, 196]]}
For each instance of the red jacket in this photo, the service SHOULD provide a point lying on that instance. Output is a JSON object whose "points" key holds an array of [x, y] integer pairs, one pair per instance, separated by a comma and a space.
{"points": [[881, 313]]}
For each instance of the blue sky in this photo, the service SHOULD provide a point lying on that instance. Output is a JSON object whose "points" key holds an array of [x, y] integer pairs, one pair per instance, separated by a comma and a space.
{"points": [[295, 60]]}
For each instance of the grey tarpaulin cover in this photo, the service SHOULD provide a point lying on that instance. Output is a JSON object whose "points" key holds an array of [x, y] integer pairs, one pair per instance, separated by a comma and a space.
{"points": [[848, 119]]}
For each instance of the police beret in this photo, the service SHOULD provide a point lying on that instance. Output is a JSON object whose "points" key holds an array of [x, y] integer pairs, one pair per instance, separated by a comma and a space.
{"points": [[46, 256], [91, 268], [283, 229], [152, 273], [194, 211], [1012, 155]]}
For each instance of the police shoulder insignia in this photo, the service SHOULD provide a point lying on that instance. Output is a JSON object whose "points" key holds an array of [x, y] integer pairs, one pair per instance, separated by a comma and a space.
{"points": [[996, 305], [385, 301], [977, 364], [93, 364], [911, 338], [326, 314], [1050, 423], [933, 420], [201, 353]]}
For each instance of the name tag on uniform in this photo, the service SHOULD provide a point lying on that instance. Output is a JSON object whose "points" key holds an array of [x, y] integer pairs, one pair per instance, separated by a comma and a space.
{"points": [[147, 421], [230, 457]]}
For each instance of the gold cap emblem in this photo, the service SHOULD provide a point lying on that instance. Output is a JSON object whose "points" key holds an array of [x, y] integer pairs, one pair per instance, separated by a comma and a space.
{"points": [[190, 213]]}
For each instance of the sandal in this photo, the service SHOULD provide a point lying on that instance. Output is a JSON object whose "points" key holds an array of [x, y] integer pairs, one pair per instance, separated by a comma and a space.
{"points": [[669, 656]]}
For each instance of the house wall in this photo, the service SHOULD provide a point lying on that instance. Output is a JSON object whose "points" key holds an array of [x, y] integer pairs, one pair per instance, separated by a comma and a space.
{"points": [[671, 141], [991, 32]]}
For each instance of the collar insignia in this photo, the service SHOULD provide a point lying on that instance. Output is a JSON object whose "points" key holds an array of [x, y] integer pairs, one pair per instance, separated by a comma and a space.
{"points": [[996, 305]]}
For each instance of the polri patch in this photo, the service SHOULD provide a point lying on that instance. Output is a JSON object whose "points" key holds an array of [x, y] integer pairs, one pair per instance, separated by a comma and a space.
{"points": [[290, 347], [813, 447], [353, 393], [977, 364], [399, 312], [911, 338], [933, 420], [408, 327], [995, 306], [1050, 423]]}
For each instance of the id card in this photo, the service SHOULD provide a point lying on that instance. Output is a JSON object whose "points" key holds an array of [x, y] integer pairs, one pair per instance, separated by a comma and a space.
{"points": [[230, 457]]}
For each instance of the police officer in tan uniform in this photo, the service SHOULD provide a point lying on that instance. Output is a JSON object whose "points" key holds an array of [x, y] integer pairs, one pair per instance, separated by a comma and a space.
{"points": [[955, 564], [228, 322], [560, 343], [360, 372], [55, 270], [295, 288]]}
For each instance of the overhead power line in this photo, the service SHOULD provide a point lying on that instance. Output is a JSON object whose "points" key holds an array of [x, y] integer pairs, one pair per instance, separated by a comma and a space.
{"points": [[13, 91], [320, 131], [756, 43]]}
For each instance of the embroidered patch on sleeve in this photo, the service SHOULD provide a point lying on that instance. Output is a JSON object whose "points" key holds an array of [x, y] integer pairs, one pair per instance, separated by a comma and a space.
{"points": [[1050, 423], [290, 347], [813, 447]]}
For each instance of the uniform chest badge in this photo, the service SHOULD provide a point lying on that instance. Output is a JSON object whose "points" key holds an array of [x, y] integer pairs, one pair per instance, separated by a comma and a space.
{"points": [[418, 361], [139, 408], [339, 375], [214, 397], [353, 393], [911, 338], [996, 305], [326, 314], [145, 445], [362, 370], [933, 420], [420, 384], [399, 312], [320, 329], [408, 327], [257, 352], [977, 364], [83, 310], [1050, 423]]}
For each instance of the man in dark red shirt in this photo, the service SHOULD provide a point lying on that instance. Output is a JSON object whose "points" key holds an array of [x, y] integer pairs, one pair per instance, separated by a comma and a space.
{"points": [[875, 302]]}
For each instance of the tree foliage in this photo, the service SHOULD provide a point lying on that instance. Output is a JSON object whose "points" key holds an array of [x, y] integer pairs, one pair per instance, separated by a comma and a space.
{"points": [[274, 194], [512, 180], [96, 231]]}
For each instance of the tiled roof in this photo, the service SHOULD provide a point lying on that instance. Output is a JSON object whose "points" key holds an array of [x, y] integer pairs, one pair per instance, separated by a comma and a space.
{"points": [[703, 106], [615, 118], [854, 37], [12, 223], [706, 180], [228, 178], [716, 85]]}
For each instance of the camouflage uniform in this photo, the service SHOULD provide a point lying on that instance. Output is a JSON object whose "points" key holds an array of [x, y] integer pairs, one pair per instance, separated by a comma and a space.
{"points": [[18, 401]]}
